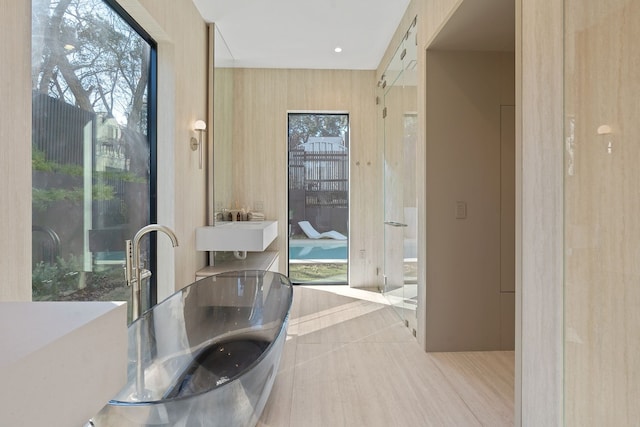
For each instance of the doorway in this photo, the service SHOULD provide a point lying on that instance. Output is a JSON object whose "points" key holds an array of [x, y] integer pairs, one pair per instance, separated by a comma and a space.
{"points": [[318, 201], [470, 182]]}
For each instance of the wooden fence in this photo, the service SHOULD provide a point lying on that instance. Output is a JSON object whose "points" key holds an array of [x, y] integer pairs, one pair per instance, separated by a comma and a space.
{"points": [[323, 176]]}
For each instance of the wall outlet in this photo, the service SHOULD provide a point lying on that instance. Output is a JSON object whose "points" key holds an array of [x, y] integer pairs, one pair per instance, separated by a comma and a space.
{"points": [[258, 206], [363, 254]]}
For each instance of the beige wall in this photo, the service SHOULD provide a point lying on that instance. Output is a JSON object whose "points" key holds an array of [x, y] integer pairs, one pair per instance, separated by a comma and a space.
{"points": [[466, 91], [602, 226], [540, 137], [261, 102], [538, 196], [181, 34], [539, 120], [15, 151]]}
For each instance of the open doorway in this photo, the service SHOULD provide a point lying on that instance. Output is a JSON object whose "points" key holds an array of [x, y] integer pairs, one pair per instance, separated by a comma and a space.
{"points": [[318, 202], [470, 176]]}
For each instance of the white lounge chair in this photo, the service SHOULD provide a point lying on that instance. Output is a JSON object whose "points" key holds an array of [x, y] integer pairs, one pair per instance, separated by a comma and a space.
{"points": [[313, 234]]}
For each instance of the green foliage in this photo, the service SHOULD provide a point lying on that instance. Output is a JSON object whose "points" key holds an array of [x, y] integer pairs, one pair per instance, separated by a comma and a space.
{"points": [[304, 125], [103, 192], [52, 280], [43, 198], [40, 163], [120, 176]]}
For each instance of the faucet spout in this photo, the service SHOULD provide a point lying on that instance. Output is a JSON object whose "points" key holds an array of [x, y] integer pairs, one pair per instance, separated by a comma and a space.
{"points": [[134, 270], [154, 227]]}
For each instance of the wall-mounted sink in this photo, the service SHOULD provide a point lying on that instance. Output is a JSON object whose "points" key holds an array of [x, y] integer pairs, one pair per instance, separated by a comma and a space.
{"points": [[252, 236]]}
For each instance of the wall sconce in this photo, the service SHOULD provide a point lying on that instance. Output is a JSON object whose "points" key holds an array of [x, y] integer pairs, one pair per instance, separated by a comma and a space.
{"points": [[196, 144], [605, 131]]}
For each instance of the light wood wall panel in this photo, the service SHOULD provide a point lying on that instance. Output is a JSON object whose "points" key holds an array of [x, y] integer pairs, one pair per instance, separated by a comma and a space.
{"points": [[602, 226], [15, 151], [539, 289], [223, 138], [181, 34], [261, 102]]}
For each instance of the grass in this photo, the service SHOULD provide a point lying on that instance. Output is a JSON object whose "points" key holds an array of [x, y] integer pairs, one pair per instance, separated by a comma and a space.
{"points": [[318, 272]]}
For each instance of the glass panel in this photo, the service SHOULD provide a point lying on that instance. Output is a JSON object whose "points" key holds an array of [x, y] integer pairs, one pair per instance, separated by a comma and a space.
{"points": [[91, 150], [602, 226], [318, 197], [400, 200], [223, 127]]}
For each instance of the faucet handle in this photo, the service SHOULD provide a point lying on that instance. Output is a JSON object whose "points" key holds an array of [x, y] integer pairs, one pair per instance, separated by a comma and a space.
{"points": [[128, 263]]}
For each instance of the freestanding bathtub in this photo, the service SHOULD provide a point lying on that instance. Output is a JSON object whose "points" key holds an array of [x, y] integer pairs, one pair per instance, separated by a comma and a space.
{"points": [[209, 354]]}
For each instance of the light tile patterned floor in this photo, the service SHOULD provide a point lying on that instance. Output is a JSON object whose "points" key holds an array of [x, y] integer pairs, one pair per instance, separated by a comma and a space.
{"points": [[350, 362]]}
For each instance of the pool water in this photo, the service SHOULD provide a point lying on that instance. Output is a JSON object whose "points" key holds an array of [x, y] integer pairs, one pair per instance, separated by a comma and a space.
{"points": [[317, 252]]}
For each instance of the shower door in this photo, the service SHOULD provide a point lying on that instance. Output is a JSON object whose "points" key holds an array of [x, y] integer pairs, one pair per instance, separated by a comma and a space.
{"points": [[400, 201]]}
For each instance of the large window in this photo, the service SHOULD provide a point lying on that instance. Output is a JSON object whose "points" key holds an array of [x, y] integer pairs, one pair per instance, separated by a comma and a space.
{"points": [[93, 146], [318, 197]]}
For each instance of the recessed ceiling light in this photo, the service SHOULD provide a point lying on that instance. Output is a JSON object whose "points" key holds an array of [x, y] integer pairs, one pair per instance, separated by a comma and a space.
{"points": [[338, 49]]}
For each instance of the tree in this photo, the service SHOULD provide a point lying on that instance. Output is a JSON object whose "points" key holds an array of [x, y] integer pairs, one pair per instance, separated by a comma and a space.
{"points": [[304, 125], [91, 58]]}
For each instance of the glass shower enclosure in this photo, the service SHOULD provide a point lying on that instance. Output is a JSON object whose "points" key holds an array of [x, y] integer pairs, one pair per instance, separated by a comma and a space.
{"points": [[399, 94]]}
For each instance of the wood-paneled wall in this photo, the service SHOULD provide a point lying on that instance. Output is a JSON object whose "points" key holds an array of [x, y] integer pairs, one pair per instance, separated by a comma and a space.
{"points": [[261, 102], [181, 34], [15, 151], [540, 131], [538, 193], [602, 226]]}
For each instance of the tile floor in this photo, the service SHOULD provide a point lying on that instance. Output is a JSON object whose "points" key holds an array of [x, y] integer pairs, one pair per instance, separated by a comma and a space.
{"points": [[349, 361]]}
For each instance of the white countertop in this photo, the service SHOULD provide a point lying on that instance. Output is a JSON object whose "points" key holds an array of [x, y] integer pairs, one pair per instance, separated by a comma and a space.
{"points": [[60, 361]]}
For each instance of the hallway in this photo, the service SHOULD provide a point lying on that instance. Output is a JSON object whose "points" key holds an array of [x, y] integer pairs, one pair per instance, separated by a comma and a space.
{"points": [[350, 362]]}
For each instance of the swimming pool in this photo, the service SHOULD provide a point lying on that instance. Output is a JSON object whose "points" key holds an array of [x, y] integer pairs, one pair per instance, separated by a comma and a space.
{"points": [[321, 251]]}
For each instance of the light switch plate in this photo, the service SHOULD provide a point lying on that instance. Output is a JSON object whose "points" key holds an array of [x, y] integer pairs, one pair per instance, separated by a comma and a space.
{"points": [[461, 210]]}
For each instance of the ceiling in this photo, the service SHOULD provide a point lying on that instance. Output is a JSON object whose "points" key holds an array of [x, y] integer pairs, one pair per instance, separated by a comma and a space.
{"points": [[304, 33]]}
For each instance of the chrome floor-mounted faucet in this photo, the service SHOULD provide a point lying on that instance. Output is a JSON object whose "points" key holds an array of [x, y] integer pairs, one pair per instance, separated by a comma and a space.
{"points": [[133, 270], [135, 274]]}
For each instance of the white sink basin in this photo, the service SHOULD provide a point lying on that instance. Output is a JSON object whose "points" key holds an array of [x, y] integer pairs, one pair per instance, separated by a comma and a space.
{"points": [[252, 236]]}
